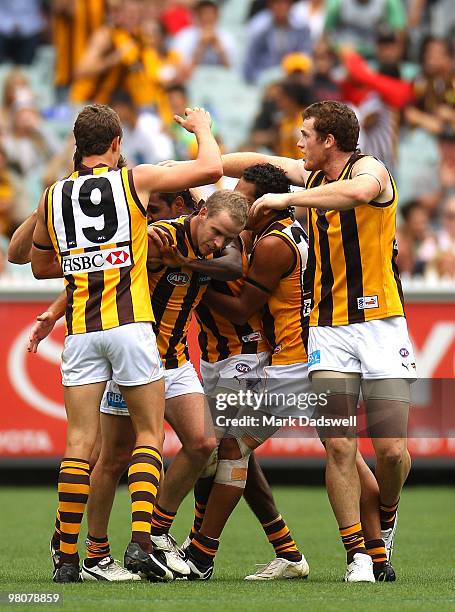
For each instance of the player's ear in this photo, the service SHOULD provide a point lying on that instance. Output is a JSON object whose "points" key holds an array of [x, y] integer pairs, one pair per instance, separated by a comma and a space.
{"points": [[330, 141], [179, 204], [203, 212], [115, 144]]}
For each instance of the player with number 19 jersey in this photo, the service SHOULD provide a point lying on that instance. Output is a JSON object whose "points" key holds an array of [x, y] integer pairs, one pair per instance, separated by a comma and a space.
{"points": [[98, 228]]}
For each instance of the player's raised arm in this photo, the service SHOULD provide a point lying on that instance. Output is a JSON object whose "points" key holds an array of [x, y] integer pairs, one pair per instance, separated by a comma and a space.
{"points": [[20, 247], [234, 164], [370, 182], [206, 168], [43, 257]]}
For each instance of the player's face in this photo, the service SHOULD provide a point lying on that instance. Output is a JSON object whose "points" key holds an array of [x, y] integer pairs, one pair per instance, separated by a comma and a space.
{"points": [[216, 231], [158, 209], [247, 189], [312, 146]]}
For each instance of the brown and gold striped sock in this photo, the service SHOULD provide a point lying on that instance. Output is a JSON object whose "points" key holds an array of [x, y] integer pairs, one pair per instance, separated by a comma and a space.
{"points": [[143, 480], [376, 550], [280, 538], [202, 490], [96, 549], [352, 538], [388, 514], [161, 521], [199, 511], [73, 490], [203, 549], [56, 534]]}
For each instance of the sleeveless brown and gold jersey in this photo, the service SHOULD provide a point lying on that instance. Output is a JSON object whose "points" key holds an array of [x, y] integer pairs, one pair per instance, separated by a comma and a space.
{"points": [[98, 228], [285, 315], [71, 33], [175, 293], [352, 260], [218, 337]]}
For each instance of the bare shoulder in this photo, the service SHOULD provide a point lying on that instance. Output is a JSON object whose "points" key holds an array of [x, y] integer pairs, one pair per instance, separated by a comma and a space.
{"points": [[272, 250], [371, 166]]}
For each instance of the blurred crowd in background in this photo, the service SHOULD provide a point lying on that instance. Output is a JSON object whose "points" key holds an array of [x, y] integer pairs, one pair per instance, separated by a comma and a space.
{"points": [[255, 64]]}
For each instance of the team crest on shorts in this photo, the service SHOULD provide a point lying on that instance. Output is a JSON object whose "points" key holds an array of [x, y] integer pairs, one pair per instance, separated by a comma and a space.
{"points": [[179, 279]]}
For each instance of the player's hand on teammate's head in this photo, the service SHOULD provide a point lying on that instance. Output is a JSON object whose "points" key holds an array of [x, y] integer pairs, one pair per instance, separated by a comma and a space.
{"points": [[195, 119], [41, 329], [269, 201]]}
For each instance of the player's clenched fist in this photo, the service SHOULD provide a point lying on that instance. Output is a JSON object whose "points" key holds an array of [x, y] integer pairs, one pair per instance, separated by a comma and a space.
{"points": [[195, 119]]}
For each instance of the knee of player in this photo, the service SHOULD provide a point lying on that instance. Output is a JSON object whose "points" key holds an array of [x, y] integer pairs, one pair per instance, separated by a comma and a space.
{"points": [[341, 449], [202, 446], [392, 453], [115, 463], [233, 457]]}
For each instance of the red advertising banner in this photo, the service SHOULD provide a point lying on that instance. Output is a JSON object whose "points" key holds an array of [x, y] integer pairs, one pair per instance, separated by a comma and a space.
{"points": [[33, 425]]}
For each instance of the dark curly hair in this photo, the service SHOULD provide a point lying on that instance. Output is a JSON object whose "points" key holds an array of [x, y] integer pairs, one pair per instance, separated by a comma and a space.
{"points": [[267, 178]]}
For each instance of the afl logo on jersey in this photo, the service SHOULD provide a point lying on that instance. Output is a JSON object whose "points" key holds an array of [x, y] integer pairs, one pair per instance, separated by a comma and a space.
{"points": [[179, 279]]}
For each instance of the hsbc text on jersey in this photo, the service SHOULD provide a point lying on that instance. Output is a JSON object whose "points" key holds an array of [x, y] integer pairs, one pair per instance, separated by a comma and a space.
{"points": [[105, 259]]}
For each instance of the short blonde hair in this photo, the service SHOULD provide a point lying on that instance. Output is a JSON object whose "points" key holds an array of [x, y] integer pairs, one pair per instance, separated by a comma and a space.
{"points": [[232, 202]]}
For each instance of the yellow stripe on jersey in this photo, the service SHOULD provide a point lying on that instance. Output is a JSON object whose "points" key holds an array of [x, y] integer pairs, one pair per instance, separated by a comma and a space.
{"points": [[284, 317], [112, 296], [352, 260], [218, 337], [175, 292]]}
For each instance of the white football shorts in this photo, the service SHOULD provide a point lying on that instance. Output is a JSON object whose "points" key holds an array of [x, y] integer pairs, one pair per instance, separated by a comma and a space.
{"points": [[374, 349], [177, 381], [126, 354]]}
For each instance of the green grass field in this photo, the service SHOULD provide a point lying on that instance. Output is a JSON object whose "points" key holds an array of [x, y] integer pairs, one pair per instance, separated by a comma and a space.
{"points": [[423, 559]]}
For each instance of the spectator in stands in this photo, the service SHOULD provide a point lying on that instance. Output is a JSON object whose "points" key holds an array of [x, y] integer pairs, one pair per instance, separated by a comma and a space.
{"points": [[275, 39], [21, 26], [292, 100], [73, 23], [30, 143], [416, 241], [355, 22], [444, 261], [390, 55], [434, 90], [113, 60], [61, 164], [185, 145], [206, 43], [326, 78], [309, 13], [264, 122], [144, 141], [163, 66], [7, 198], [16, 89]]}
